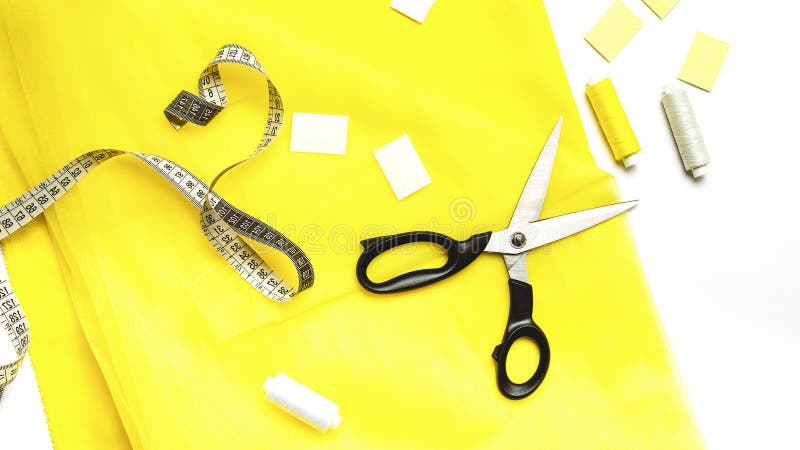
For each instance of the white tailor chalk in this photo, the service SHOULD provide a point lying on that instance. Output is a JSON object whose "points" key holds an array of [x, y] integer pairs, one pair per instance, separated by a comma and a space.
{"points": [[402, 167], [319, 133]]}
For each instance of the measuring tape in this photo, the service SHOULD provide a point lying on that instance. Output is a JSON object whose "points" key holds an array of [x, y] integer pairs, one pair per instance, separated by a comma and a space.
{"points": [[223, 224]]}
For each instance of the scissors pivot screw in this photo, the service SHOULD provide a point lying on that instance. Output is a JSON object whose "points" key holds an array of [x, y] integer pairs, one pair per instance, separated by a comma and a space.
{"points": [[518, 240], [512, 243]]}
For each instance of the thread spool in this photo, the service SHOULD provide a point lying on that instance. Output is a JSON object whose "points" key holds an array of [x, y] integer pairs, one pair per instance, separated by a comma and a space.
{"points": [[686, 131], [302, 403], [613, 121]]}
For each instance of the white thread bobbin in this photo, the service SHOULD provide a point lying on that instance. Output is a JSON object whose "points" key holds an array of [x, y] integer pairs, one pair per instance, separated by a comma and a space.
{"points": [[686, 130], [302, 403]]}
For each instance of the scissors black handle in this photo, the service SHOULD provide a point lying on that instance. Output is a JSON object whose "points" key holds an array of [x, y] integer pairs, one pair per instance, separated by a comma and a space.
{"points": [[520, 325], [459, 255]]}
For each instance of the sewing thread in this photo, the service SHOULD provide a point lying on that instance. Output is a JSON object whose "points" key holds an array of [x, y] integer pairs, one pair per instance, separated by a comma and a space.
{"points": [[302, 403], [685, 130], [613, 121]]}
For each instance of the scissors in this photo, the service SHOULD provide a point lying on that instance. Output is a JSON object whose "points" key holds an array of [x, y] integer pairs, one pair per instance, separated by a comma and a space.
{"points": [[525, 232]]}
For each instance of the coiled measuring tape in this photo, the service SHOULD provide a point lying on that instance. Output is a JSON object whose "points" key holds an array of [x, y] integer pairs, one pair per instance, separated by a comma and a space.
{"points": [[222, 223]]}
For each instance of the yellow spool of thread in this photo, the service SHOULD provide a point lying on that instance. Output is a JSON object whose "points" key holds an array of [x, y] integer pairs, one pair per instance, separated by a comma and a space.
{"points": [[613, 121]]}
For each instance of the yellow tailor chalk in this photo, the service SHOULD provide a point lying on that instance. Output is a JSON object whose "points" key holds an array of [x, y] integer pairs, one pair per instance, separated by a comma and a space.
{"points": [[610, 34], [704, 61], [661, 7]]}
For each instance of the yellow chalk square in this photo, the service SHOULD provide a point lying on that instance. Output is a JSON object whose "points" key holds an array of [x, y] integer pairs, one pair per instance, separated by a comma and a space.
{"points": [[661, 7], [704, 61], [610, 34]]}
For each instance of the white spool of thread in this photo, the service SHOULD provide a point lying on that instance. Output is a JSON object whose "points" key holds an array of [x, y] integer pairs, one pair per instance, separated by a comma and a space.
{"points": [[686, 131], [302, 403]]}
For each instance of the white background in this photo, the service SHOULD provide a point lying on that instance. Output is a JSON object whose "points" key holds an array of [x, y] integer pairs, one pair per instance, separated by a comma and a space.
{"points": [[720, 254]]}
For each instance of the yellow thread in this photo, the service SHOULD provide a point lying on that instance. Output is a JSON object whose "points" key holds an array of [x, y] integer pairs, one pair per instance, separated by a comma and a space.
{"points": [[613, 121]]}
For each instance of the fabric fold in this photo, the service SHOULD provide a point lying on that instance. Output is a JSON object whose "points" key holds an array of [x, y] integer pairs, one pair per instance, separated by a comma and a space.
{"points": [[180, 345]]}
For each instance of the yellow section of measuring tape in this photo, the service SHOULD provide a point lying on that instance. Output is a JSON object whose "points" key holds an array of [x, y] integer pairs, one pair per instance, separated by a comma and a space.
{"points": [[223, 224], [612, 118], [183, 345]]}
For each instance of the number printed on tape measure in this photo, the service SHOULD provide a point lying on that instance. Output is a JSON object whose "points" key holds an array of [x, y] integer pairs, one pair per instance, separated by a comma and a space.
{"points": [[222, 223]]}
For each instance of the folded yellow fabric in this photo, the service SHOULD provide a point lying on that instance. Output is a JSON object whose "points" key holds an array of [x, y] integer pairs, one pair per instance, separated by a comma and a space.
{"points": [[80, 410], [184, 343]]}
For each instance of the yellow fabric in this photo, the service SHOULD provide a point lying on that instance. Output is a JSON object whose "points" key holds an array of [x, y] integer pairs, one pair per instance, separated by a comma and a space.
{"points": [[615, 28], [704, 61], [79, 408], [184, 343]]}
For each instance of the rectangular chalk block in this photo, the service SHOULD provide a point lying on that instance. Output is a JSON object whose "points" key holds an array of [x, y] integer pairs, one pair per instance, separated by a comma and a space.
{"points": [[402, 167], [661, 7], [704, 61], [319, 133], [414, 9], [613, 30]]}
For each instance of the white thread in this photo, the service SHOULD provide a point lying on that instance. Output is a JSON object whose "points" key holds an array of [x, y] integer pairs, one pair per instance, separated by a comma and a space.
{"points": [[630, 161], [686, 131], [302, 403]]}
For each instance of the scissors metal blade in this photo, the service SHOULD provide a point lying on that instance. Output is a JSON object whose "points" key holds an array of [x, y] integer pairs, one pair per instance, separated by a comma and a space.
{"points": [[546, 231], [529, 206]]}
